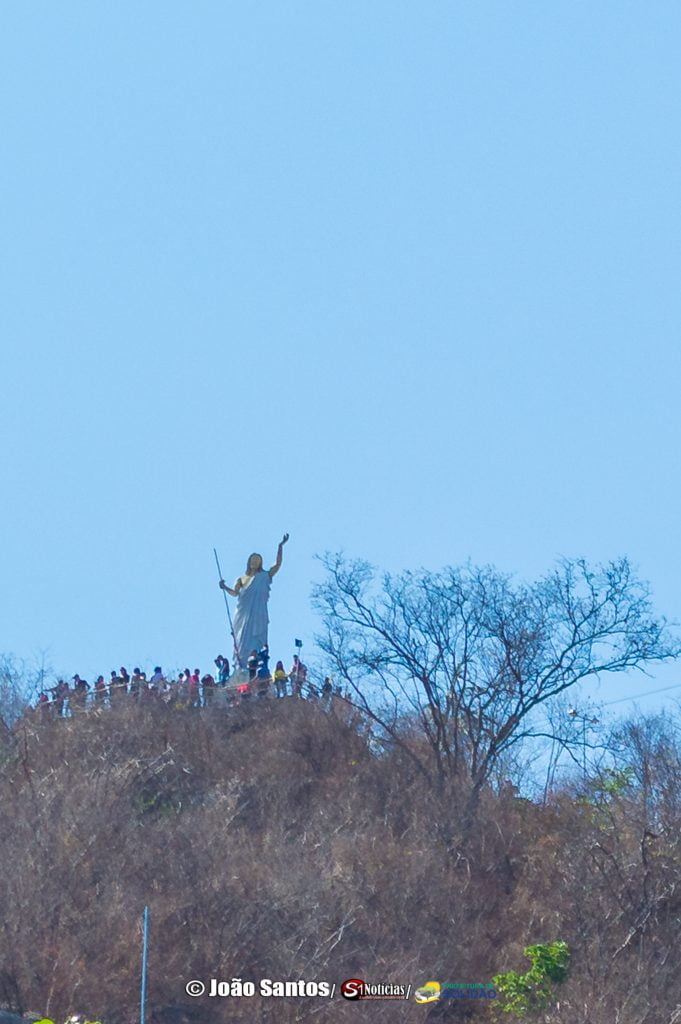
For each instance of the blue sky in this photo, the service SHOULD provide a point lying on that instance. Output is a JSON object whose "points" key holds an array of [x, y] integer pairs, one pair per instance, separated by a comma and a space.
{"points": [[398, 278]]}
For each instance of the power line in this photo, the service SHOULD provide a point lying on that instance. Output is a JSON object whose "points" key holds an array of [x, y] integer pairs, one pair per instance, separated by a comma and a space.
{"points": [[647, 693]]}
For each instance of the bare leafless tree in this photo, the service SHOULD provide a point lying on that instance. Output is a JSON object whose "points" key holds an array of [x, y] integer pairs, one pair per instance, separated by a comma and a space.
{"points": [[473, 655], [18, 683]]}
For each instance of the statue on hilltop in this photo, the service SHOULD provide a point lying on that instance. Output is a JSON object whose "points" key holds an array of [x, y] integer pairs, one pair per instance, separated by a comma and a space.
{"points": [[252, 591]]}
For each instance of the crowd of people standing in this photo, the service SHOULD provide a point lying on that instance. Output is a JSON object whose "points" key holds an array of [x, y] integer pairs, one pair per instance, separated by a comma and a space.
{"points": [[187, 689]]}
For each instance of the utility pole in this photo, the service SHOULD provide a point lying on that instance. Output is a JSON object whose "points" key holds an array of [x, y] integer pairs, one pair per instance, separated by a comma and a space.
{"points": [[586, 720], [145, 944]]}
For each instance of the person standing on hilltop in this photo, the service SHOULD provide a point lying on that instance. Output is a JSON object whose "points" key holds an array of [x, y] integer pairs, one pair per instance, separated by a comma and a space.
{"points": [[263, 672], [252, 591], [223, 670], [134, 685], [208, 684], [194, 691], [61, 693], [80, 689], [100, 691], [280, 678], [252, 665], [125, 680], [115, 685], [157, 681], [298, 676]]}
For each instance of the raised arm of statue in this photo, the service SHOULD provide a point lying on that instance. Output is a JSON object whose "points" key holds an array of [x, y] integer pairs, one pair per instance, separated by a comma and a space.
{"points": [[280, 551]]}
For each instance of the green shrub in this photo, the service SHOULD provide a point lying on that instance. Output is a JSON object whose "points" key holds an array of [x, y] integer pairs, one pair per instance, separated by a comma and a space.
{"points": [[522, 994]]}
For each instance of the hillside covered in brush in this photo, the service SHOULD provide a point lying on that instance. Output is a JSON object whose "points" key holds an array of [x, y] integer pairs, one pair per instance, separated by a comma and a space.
{"points": [[275, 842]]}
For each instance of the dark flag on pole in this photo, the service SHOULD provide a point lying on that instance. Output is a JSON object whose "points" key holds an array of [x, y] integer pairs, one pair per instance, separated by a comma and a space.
{"points": [[298, 643]]}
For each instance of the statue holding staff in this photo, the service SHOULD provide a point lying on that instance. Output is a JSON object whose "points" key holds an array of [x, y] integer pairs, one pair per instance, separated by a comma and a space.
{"points": [[252, 591]]}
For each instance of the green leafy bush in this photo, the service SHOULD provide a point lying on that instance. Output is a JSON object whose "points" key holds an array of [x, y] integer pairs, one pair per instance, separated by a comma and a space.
{"points": [[522, 994]]}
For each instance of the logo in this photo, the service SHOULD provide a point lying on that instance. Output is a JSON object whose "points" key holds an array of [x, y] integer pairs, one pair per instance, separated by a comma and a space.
{"points": [[428, 993], [352, 988], [433, 991], [355, 988]]}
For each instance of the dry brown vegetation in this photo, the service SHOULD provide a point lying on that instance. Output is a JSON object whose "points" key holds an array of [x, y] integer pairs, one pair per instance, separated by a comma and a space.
{"points": [[272, 843]]}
